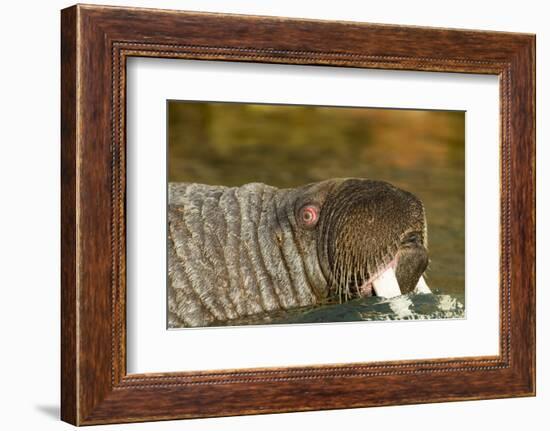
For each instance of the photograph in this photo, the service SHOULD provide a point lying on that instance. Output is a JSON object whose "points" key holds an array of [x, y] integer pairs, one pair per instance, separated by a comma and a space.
{"points": [[276, 209], [305, 214]]}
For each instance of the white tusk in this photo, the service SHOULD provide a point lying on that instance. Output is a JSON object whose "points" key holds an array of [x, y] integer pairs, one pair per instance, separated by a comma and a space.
{"points": [[421, 286], [386, 285]]}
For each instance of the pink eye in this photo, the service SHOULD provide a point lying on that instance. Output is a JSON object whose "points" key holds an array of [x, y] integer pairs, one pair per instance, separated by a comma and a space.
{"points": [[309, 215]]}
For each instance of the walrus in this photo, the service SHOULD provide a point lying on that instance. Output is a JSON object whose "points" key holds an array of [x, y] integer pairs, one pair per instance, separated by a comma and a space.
{"points": [[242, 251]]}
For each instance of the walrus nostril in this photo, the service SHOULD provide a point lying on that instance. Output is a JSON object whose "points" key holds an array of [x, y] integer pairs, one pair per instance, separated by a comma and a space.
{"points": [[411, 239]]}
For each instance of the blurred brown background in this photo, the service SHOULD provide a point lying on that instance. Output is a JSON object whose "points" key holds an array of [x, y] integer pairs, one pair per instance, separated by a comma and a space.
{"points": [[287, 146]]}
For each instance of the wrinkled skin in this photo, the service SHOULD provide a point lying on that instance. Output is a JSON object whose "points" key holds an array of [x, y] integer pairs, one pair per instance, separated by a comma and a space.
{"points": [[242, 251]]}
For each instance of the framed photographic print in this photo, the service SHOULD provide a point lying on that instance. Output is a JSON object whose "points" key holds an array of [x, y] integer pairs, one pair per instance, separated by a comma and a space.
{"points": [[279, 215]]}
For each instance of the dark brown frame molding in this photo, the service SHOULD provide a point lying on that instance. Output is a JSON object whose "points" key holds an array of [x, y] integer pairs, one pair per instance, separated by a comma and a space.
{"points": [[95, 43]]}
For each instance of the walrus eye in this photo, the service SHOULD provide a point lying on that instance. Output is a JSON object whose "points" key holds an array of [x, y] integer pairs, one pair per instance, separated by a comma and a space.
{"points": [[309, 215]]}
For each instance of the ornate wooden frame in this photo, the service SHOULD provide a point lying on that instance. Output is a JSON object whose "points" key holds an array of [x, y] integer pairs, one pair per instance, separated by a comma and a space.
{"points": [[95, 43]]}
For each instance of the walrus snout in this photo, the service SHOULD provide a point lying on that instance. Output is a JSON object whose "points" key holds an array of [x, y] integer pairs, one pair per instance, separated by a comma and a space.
{"points": [[373, 239]]}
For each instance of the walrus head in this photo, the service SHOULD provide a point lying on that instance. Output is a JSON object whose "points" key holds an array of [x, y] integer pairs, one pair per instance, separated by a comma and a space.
{"points": [[363, 233], [255, 249]]}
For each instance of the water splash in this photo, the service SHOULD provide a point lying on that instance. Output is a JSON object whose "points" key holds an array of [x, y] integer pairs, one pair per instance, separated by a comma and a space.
{"points": [[404, 307]]}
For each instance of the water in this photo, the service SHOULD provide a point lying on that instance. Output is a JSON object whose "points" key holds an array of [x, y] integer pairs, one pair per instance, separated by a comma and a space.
{"points": [[405, 307], [288, 146]]}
